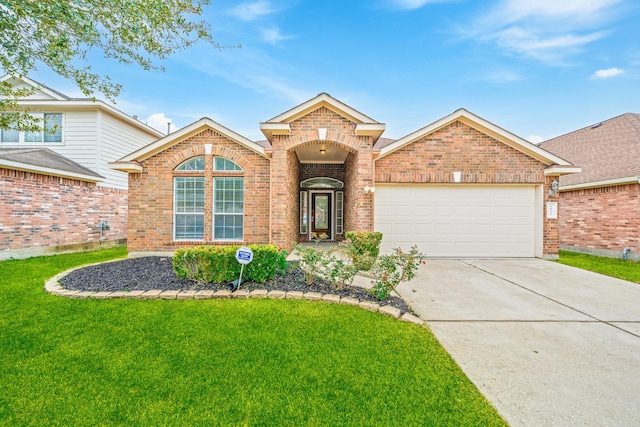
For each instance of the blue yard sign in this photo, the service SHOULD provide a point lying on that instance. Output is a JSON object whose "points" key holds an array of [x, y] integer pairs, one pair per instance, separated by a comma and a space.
{"points": [[244, 256]]}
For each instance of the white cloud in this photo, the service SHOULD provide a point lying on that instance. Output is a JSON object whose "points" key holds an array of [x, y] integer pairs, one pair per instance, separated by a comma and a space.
{"points": [[252, 11], [545, 30], [413, 4], [607, 73], [273, 35], [159, 121], [410, 4], [535, 139]]}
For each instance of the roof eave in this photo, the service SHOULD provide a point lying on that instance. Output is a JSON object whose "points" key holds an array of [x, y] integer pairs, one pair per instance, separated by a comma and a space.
{"points": [[559, 170], [90, 104], [187, 132], [484, 126], [9, 164], [604, 183], [128, 167]]}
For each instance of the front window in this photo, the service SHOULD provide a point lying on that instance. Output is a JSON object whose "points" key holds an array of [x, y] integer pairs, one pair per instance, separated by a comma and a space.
{"points": [[189, 208], [228, 208], [51, 131]]}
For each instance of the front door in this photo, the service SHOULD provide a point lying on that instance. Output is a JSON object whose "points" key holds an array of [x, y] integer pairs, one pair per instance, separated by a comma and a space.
{"points": [[321, 213]]}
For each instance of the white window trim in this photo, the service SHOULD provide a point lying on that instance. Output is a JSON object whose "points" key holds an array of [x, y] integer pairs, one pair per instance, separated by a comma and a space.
{"points": [[213, 210], [21, 142], [175, 239]]}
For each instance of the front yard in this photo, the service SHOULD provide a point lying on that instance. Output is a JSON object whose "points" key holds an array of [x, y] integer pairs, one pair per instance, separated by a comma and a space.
{"points": [[216, 362], [625, 270]]}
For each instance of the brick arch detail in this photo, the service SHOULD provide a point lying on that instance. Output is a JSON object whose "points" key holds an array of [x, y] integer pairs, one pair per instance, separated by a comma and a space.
{"points": [[217, 151], [341, 140]]}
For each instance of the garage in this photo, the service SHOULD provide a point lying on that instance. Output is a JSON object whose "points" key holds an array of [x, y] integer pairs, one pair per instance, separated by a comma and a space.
{"points": [[459, 220]]}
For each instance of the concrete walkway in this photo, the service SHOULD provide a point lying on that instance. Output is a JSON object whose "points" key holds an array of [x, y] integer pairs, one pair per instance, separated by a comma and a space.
{"points": [[547, 344]]}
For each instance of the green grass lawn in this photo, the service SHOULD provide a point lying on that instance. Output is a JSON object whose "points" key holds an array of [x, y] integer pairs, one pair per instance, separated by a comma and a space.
{"points": [[75, 362], [626, 270]]}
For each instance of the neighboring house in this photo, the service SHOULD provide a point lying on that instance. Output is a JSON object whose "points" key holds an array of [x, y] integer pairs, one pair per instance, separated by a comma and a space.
{"points": [[600, 210], [57, 192], [459, 187]]}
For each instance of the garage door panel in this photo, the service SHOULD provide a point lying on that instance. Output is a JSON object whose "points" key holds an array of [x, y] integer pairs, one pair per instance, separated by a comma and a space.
{"points": [[457, 221]]}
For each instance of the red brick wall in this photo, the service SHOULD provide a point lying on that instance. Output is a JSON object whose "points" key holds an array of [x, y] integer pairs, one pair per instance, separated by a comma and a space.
{"points": [[40, 211], [458, 147], [601, 218], [481, 159], [286, 171], [315, 170], [150, 225]]}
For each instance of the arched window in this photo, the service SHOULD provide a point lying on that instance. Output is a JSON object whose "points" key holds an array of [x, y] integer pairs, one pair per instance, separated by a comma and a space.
{"points": [[321, 183], [222, 164], [193, 164]]}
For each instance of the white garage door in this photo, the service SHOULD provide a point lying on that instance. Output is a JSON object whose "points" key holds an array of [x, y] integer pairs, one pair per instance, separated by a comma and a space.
{"points": [[457, 221]]}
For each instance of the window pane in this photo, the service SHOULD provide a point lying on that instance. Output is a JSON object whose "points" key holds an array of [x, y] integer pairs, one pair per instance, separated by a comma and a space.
{"points": [[189, 195], [53, 121], [33, 137], [228, 227], [10, 136], [228, 209], [189, 227], [222, 164], [303, 212], [195, 164]]}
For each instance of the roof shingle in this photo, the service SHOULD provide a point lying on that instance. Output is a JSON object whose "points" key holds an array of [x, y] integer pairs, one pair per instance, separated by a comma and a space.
{"points": [[605, 151]]}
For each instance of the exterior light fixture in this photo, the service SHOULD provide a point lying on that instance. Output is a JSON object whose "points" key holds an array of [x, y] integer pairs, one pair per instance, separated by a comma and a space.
{"points": [[554, 187], [322, 151], [368, 189]]}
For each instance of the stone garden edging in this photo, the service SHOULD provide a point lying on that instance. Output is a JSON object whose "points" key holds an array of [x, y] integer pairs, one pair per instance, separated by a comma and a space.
{"points": [[53, 287]]}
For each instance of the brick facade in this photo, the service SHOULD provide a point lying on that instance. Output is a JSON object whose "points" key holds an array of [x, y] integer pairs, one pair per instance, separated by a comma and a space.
{"points": [[286, 173], [41, 211], [601, 218], [272, 181], [151, 193]]}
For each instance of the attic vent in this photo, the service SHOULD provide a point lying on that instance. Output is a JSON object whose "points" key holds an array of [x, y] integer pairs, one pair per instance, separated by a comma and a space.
{"points": [[597, 125]]}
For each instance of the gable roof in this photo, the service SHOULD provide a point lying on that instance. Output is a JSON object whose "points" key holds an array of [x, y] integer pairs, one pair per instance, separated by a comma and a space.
{"points": [[46, 162], [130, 162], [42, 91], [47, 97], [476, 122], [279, 125], [609, 152]]}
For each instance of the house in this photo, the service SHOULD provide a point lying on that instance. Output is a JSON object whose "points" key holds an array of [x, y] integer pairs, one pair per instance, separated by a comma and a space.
{"points": [[57, 192], [600, 209], [459, 187]]}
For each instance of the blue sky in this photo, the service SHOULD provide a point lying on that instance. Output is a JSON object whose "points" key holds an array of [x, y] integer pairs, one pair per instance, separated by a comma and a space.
{"points": [[538, 68]]}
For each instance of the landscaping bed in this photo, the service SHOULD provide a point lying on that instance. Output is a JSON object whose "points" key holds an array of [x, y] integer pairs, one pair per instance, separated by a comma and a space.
{"points": [[149, 273]]}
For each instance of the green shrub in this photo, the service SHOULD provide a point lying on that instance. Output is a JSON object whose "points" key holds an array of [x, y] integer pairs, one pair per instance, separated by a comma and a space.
{"points": [[390, 270], [363, 247], [217, 264]]}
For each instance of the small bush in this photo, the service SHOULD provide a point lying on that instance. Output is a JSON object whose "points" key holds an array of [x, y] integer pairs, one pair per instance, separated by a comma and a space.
{"points": [[390, 270], [363, 247], [217, 264]]}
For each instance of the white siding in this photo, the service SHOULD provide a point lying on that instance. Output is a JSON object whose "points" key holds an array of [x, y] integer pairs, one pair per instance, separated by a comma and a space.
{"points": [[117, 139], [79, 138]]}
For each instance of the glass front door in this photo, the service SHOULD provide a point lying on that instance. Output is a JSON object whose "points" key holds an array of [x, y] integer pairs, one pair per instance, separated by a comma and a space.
{"points": [[321, 213]]}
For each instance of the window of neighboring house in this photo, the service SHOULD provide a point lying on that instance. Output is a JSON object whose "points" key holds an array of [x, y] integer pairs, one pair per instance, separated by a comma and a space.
{"points": [[51, 131], [189, 208]]}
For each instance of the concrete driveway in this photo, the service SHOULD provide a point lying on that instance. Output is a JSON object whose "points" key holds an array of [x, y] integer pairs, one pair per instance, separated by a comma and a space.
{"points": [[547, 344]]}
